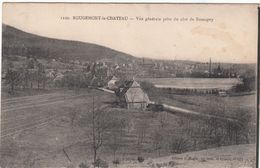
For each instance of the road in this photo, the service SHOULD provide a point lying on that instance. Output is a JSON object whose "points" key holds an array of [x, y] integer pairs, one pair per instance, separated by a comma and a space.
{"points": [[185, 112]]}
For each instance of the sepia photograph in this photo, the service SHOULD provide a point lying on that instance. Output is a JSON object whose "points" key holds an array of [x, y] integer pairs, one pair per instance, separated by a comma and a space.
{"points": [[109, 85]]}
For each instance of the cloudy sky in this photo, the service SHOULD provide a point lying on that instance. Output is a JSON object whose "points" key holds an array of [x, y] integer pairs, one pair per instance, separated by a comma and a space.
{"points": [[230, 37]]}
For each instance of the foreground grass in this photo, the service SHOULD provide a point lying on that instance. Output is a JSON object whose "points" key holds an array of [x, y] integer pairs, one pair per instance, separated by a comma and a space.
{"points": [[228, 157], [66, 143], [63, 142]]}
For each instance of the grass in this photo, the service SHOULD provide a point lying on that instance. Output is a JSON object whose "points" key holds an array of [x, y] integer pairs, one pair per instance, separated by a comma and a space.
{"points": [[46, 141], [44, 146], [212, 104], [229, 157]]}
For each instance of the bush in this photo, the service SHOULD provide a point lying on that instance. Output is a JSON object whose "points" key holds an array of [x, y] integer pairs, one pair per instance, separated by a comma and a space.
{"points": [[203, 160], [83, 165], [140, 159], [172, 163], [179, 145], [150, 89], [101, 163], [116, 162], [249, 82]]}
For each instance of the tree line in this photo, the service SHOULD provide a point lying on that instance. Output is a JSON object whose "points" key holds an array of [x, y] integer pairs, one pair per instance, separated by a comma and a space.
{"points": [[25, 77]]}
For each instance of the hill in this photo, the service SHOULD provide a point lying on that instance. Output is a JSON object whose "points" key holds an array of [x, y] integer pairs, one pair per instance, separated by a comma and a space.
{"points": [[17, 42]]}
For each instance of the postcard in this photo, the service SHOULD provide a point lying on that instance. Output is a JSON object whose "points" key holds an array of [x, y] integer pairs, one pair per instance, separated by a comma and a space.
{"points": [[129, 85]]}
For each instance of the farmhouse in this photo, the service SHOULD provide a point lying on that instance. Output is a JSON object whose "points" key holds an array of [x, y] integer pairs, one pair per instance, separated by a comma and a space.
{"points": [[132, 96]]}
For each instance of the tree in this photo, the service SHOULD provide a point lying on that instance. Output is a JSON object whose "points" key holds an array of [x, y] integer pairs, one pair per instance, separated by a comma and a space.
{"points": [[100, 121], [157, 140], [142, 131], [73, 114], [249, 82], [150, 89], [25, 77], [117, 127], [30, 63], [32, 77], [77, 82], [40, 75], [142, 127], [162, 120], [179, 145], [12, 79]]}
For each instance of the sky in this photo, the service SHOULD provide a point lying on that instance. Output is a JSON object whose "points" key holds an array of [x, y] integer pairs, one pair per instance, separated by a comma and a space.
{"points": [[223, 32]]}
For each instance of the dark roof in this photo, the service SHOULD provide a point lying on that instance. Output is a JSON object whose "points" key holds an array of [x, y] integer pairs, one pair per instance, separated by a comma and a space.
{"points": [[134, 90], [122, 89]]}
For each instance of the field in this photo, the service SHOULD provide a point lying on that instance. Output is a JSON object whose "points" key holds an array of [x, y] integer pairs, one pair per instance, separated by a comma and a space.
{"points": [[224, 83], [32, 127], [242, 108], [211, 104], [223, 157], [229, 106], [38, 130]]}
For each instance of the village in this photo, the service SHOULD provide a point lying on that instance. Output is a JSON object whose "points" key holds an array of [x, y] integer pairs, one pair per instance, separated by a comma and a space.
{"points": [[53, 73]]}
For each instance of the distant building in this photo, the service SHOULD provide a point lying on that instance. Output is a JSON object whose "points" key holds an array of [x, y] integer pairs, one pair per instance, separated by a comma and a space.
{"points": [[50, 73], [77, 62], [59, 77], [116, 67], [132, 95], [112, 83]]}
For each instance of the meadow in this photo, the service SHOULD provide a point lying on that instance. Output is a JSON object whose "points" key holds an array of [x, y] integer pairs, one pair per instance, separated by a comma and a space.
{"points": [[193, 82], [53, 128]]}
